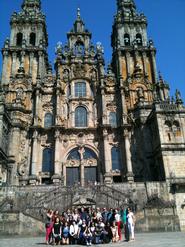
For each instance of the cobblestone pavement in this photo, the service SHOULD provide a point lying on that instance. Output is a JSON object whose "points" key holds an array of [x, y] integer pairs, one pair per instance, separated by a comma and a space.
{"points": [[176, 239]]}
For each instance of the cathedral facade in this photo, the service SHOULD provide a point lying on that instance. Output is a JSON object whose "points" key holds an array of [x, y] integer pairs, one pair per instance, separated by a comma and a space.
{"points": [[84, 124]]}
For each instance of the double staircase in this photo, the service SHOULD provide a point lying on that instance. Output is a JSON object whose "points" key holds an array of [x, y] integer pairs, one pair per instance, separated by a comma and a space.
{"points": [[35, 203]]}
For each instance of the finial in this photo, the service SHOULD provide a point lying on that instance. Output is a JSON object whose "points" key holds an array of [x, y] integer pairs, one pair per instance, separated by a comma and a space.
{"points": [[78, 13]]}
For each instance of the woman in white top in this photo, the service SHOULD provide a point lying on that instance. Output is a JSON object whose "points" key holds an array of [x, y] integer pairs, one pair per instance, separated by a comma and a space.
{"points": [[73, 232], [131, 223]]}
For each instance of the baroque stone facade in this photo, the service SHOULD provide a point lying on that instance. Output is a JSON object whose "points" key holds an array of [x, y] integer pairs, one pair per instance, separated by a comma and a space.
{"points": [[83, 124]]}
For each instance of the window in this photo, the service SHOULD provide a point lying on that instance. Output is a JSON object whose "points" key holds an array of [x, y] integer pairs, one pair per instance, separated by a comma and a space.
{"points": [[116, 161], [90, 174], [47, 160], [32, 39], [79, 49], [19, 39], [80, 117], [126, 39], [139, 39], [113, 119], [48, 120], [87, 154], [72, 175], [80, 89]]}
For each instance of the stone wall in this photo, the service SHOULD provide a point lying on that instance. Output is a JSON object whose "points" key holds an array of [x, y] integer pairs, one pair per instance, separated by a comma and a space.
{"points": [[19, 224]]}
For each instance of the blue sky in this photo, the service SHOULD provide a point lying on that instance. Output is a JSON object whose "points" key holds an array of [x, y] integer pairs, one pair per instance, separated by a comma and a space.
{"points": [[166, 26]]}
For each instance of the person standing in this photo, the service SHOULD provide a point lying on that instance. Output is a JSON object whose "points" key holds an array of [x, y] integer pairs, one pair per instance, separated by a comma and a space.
{"points": [[49, 225], [131, 223], [118, 223]]}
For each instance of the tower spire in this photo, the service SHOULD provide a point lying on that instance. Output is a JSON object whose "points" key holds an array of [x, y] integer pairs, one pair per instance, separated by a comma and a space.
{"points": [[31, 4], [78, 14]]}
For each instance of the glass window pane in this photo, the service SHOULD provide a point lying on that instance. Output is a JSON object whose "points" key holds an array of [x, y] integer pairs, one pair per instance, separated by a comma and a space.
{"points": [[80, 89], [90, 174], [72, 175], [80, 117], [47, 160], [48, 120], [74, 155], [113, 119], [116, 161]]}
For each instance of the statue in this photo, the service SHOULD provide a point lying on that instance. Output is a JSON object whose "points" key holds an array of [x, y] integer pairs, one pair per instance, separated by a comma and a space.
{"points": [[81, 152]]}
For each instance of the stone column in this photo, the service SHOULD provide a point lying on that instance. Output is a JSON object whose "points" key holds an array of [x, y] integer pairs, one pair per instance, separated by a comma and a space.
{"points": [[144, 63], [31, 63], [5, 66], [36, 116], [154, 66], [107, 158], [14, 63], [57, 176], [104, 110], [123, 102], [128, 63], [130, 175], [22, 59], [64, 174], [82, 175], [13, 155], [33, 178], [41, 64]]}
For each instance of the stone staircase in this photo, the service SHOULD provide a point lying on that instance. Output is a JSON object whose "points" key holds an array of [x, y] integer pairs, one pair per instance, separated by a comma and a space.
{"points": [[61, 198]]}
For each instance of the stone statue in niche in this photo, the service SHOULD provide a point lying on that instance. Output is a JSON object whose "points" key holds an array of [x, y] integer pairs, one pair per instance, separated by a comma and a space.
{"points": [[81, 152], [22, 167]]}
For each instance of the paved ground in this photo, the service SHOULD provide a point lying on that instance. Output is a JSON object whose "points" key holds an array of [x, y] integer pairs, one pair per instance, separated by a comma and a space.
{"points": [[142, 240]]}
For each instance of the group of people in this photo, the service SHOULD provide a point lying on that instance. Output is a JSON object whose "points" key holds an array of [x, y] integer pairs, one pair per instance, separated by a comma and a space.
{"points": [[88, 226]]}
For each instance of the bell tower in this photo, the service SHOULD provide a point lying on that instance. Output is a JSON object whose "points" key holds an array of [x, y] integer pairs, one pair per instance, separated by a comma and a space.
{"points": [[133, 54], [27, 46]]}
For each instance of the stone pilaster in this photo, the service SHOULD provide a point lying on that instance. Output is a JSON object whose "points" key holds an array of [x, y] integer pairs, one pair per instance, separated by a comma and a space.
{"points": [[107, 158], [154, 66], [31, 63], [144, 63], [128, 62], [33, 177], [14, 63], [123, 102], [130, 175], [13, 154], [41, 64], [82, 177], [5, 66], [104, 110], [57, 176], [36, 117]]}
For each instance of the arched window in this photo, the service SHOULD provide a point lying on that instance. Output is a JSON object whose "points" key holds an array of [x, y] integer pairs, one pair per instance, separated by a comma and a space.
{"points": [[168, 129], [126, 39], [113, 119], [48, 120], [80, 117], [176, 129], [19, 39], [80, 89], [32, 39], [116, 158], [139, 39], [47, 160], [79, 49], [90, 172]]}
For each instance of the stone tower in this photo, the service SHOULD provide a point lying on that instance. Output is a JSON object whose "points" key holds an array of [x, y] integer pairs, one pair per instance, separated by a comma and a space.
{"points": [[25, 63]]}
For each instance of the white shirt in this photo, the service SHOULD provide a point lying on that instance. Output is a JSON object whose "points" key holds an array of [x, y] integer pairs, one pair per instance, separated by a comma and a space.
{"points": [[117, 217], [130, 217], [73, 230]]}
